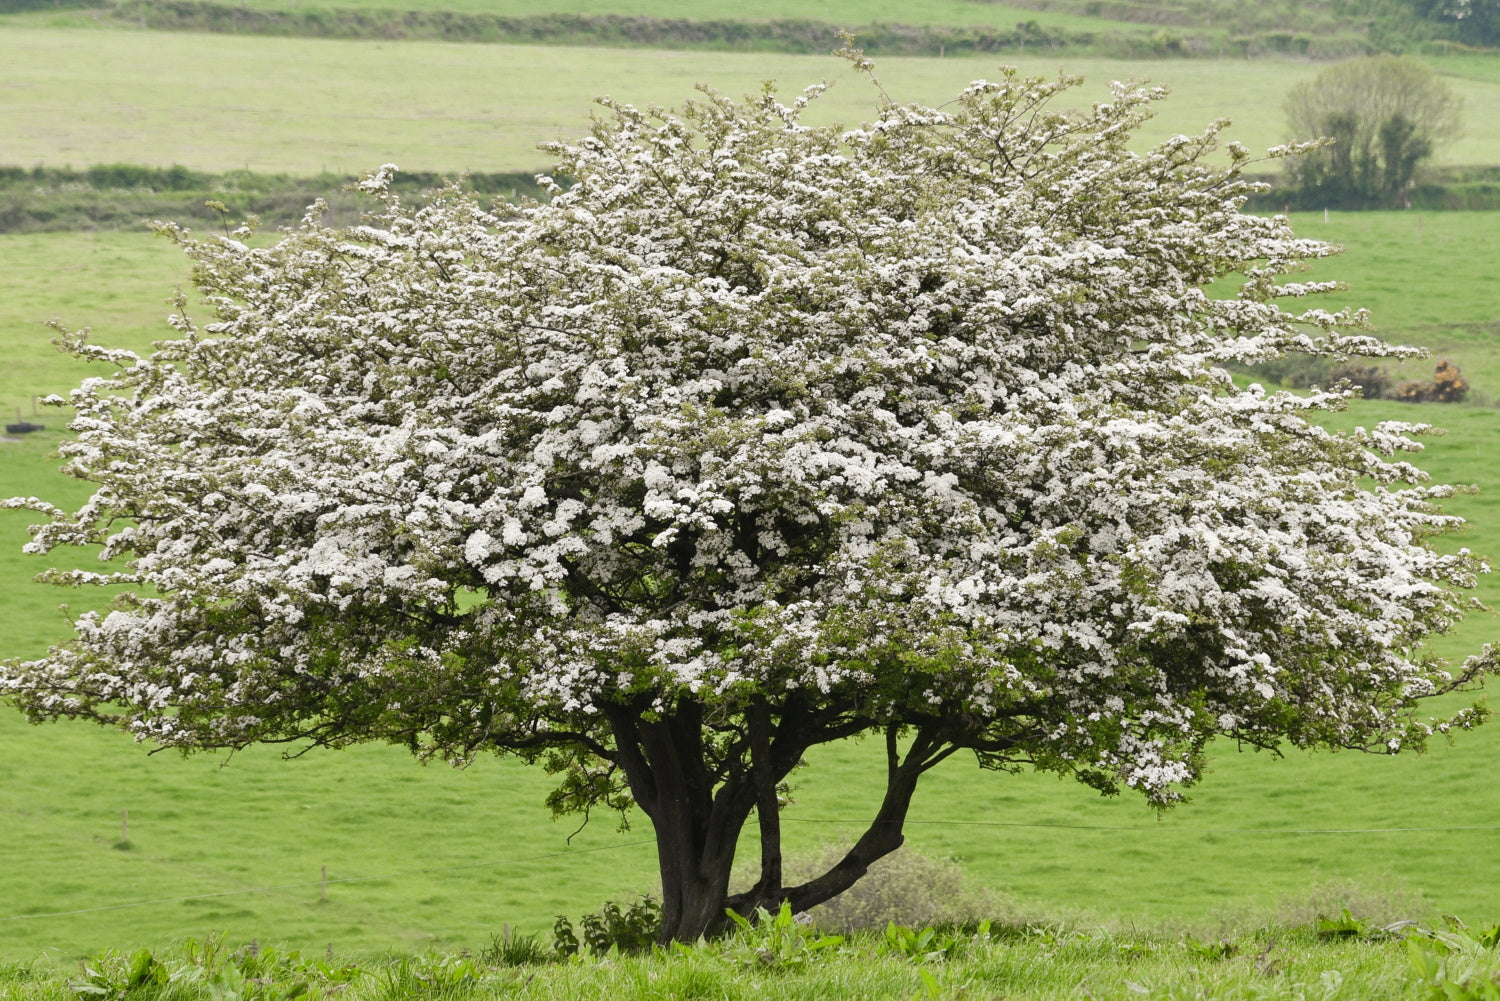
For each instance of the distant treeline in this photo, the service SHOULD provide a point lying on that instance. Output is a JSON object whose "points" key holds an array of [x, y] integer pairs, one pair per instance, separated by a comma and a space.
{"points": [[122, 196], [1384, 25], [785, 35], [1330, 29], [1440, 189]]}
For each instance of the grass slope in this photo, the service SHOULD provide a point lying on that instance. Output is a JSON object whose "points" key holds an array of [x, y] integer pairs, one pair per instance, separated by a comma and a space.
{"points": [[852, 13], [846, 13], [1320, 16], [306, 106], [1326, 29], [199, 828]]}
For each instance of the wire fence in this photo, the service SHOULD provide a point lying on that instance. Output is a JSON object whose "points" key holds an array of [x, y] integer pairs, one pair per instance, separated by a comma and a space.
{"points": [[1154, 830], [325, 882]]}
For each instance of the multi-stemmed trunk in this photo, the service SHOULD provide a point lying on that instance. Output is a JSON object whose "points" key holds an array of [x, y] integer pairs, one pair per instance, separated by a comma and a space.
{"points": [[698, 820]]}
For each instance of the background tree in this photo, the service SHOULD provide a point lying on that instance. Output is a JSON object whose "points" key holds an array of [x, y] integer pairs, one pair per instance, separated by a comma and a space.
{"points": [[756, 437], [1386, 114], [1476, 22]]}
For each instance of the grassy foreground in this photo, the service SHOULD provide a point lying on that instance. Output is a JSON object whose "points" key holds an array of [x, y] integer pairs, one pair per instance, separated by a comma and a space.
{"points": [[779, 959]]}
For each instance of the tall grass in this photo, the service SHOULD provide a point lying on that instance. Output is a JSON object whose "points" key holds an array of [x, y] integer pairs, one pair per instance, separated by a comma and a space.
{"points": [[1345, 961]]}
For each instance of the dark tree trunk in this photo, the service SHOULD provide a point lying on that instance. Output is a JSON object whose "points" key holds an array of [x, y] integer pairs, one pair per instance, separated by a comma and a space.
{"points": [[694, 890], [697, 826], [698, 814]]}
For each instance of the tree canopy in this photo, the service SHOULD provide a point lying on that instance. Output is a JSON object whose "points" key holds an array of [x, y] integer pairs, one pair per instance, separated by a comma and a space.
{"points": [[756, 436], [1385, 114]]}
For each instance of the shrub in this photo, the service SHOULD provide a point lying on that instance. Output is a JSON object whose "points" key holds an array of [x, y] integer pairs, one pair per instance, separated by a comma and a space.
{"points": [[426, 976], [1373, 381], [1294, 371], [1374, 908], [907, 888], [1448, 385]]}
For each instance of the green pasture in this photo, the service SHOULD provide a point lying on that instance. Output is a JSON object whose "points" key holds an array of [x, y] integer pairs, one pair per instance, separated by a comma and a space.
{"points": [[1468, 66], [1183, 15], [1427, 278], [461, 853], [302, 106]]}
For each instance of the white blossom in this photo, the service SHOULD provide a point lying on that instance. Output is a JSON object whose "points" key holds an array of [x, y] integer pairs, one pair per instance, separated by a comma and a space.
{"points": [[922, 421]]}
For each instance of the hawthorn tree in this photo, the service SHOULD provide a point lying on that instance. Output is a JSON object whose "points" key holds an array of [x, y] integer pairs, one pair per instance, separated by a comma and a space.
{"points": [[759, 436]]}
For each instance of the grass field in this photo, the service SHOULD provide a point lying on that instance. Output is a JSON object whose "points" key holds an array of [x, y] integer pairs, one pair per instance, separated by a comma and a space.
{"points": [[442, 835], [468, 851], [215, 102], [1021, 964], [1427, 278]]}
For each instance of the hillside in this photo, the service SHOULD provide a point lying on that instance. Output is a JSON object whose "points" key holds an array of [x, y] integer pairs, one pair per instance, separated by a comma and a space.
{"points": [[1122, 28]]}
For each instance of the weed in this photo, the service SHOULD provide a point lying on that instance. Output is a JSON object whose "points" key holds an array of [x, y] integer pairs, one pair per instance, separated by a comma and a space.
{"points": [[1213, 951], [428, 976], [1346, 925], [517, 950], [1455, 964], [631, 930], [776, 941], [109, 978], [564, 938], [928, 944]]}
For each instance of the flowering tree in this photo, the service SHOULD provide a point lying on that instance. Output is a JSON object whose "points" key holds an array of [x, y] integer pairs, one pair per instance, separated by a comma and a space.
{"points": [[760, 436]]}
